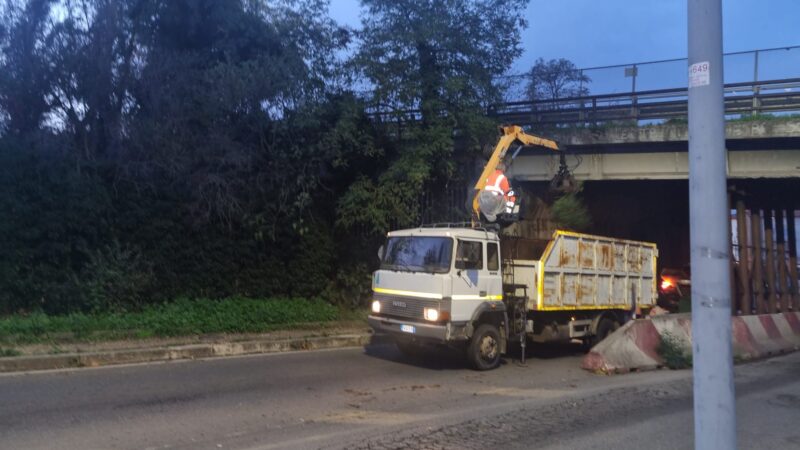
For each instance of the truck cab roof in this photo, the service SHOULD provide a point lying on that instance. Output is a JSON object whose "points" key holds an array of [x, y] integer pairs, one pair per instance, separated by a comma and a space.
{"points": [[456, 232]]}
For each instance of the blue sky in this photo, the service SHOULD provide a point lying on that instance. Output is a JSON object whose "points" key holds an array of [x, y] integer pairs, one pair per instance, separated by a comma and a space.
{"points": [[605, 32]]}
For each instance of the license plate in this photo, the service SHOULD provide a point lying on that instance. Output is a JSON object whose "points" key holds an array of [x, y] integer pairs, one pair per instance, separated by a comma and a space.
{"points": [[408, 329]]}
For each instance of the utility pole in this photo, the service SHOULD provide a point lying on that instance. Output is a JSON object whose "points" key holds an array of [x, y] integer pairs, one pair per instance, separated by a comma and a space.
{"points": [[709, 217]]}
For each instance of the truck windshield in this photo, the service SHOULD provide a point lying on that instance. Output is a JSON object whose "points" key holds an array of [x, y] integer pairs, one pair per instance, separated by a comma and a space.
{"points": [[418, 254]]}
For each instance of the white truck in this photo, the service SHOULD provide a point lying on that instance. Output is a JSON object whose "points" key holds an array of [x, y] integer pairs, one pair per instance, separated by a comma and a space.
{"points": [[475, 291]]}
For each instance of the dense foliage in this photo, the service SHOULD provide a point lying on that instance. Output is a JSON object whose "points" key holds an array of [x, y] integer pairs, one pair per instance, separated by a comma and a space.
{"points": [[157, 149]]}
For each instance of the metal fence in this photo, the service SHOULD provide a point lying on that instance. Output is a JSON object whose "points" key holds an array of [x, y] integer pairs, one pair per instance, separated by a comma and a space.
{"points": [[740, 67]]}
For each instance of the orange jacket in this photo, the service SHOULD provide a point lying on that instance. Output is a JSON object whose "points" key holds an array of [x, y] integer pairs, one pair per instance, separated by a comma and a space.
{"points": [[497, 182]]}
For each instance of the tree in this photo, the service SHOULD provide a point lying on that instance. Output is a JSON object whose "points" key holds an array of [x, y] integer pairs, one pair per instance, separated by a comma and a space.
{"points": [[437, 58], [24, 68], [556, 79]]}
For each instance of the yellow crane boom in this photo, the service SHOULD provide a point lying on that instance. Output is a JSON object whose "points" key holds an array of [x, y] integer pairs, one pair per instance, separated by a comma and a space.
{"points": [[510, 134]]}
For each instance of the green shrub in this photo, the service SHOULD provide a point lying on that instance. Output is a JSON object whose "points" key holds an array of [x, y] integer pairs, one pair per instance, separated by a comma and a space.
{"points": [[672, 351], [570, 213], [116, 278], [351, 288]]}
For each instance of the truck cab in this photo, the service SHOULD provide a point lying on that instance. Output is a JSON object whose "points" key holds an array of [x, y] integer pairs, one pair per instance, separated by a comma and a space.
{"points": [[442, 285]]}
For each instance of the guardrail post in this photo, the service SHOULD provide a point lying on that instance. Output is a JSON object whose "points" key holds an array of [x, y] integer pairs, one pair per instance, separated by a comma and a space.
{"points": [[756, 100], [756, 89]]}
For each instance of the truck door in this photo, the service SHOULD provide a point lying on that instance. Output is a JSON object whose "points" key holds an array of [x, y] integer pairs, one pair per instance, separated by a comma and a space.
{"points": [[470, 279], [494, 274]]}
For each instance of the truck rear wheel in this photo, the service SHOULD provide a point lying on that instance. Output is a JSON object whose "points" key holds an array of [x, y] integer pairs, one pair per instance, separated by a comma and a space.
{"points": [[604, 328], [483, 350]]}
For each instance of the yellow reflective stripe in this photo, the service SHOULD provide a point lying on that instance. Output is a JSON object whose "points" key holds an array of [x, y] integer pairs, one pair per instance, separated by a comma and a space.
{"points": [[476, 297], [407, 293]]}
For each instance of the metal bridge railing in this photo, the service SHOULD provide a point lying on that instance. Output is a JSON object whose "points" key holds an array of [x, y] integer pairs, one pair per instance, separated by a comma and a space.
{"points": [[740, 67], [740, 99]]}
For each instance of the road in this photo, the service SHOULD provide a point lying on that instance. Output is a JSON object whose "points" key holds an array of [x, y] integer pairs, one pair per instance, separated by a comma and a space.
{"points": [[374, 398]]}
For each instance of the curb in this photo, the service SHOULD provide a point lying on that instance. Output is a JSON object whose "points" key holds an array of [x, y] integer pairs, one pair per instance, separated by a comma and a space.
{"points": [[634, 346], [170, 353]]}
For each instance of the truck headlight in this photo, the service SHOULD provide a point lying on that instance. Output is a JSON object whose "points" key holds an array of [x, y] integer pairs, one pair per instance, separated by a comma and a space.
{"points": [[376, 306], [431, 314]]}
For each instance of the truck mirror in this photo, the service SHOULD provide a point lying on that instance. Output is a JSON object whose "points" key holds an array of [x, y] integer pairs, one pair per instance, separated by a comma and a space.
{"points": [[380, 253]]}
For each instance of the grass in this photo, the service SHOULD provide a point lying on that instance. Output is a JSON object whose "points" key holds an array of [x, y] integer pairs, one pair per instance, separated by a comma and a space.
{"points": [[179, 318], [764, 117], [672, 350], [8, 352]]}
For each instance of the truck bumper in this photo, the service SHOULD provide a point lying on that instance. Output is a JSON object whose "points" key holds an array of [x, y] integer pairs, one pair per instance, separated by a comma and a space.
{"points": [[422, 331]]}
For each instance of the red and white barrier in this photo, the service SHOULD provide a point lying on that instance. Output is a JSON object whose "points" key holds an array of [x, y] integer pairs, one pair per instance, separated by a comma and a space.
{"points": [[634, 346]]}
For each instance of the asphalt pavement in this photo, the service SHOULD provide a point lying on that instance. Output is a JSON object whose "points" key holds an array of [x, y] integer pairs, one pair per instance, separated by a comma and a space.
{"points": [[376, 398]]}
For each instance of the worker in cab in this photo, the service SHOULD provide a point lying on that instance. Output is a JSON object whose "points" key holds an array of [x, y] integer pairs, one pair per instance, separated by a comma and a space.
{"points": [[498, 185]]}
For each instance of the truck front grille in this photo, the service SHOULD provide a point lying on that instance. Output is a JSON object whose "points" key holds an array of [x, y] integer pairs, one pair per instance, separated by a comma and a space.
{"points": [[407, 307]]}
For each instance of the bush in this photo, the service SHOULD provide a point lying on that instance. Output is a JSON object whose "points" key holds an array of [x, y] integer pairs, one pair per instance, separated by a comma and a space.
{"points": [[351, 288], [671, 349], [570, 213], [116, 278]]}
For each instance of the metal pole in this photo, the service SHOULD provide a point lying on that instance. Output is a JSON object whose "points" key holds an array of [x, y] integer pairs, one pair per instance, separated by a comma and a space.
{"points": [[709, 223], [755, 66]]}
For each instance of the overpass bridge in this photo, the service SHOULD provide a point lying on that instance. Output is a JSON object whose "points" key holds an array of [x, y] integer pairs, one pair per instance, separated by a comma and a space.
{"points": [[630, 150]]}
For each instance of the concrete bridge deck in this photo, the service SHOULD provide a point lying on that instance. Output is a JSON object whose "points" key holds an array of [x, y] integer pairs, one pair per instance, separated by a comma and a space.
{"points": [[756, 149]]}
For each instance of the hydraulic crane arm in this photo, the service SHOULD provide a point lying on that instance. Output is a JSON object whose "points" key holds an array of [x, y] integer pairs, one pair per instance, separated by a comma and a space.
{"points": [[510, 135]]}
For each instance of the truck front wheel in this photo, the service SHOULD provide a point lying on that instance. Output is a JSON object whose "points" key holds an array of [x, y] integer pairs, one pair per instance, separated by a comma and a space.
{"points": [[483, 350]]}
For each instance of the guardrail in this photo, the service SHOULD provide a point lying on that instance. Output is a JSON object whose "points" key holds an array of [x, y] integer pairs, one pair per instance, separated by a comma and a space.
{"points": [[740, 99]]}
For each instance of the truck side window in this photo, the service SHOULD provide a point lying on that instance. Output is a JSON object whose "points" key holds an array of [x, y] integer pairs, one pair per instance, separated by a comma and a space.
{"points": [[469, 255], [492, 257]]}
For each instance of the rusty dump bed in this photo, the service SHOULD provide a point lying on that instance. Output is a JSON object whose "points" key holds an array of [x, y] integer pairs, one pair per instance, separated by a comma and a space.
{"points": [[581, 271]]}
